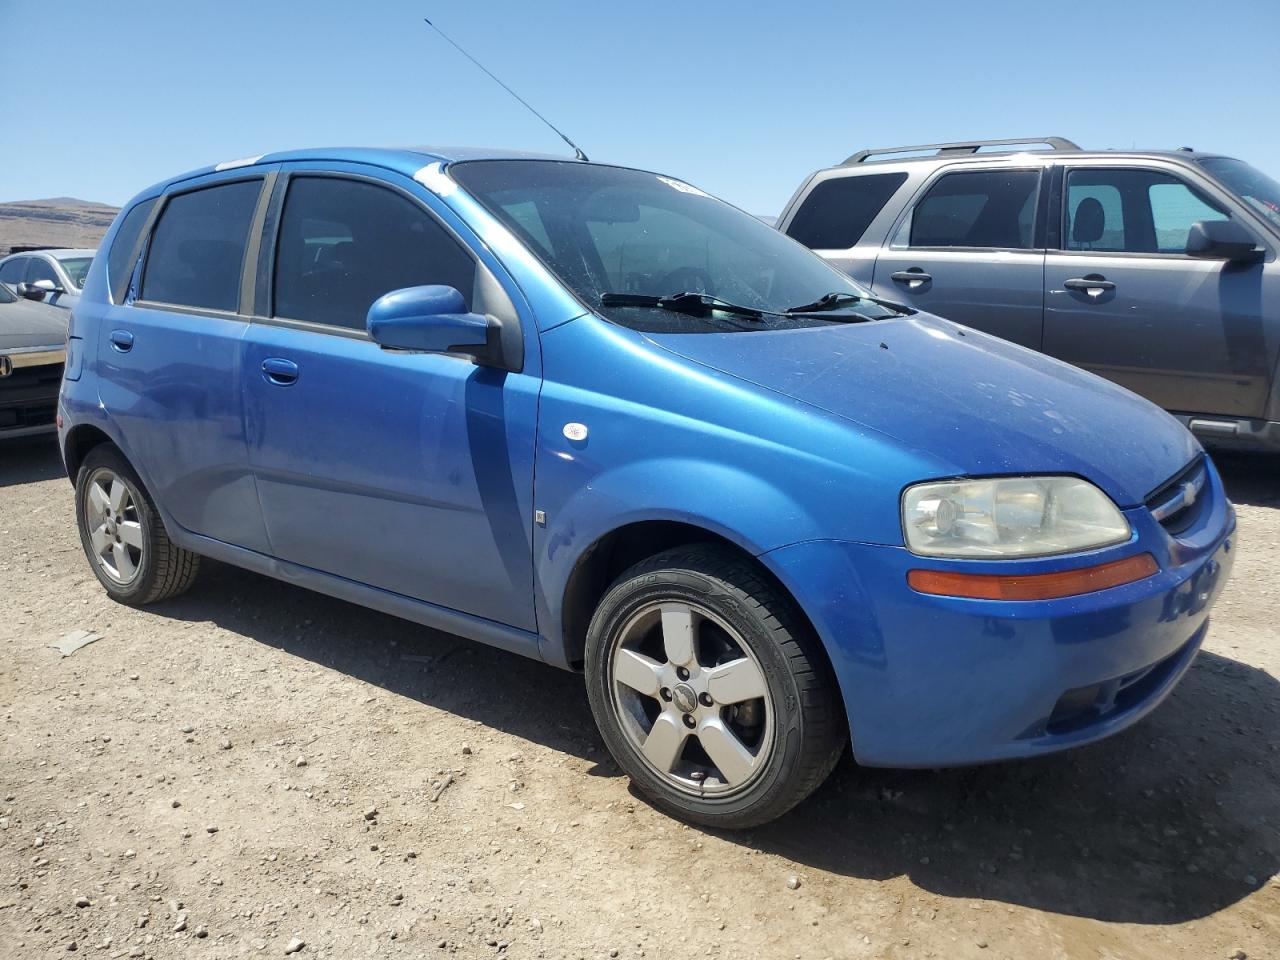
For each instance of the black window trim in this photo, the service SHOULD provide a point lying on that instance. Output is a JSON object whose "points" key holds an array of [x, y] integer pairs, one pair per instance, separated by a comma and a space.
{"points": [[1037, 230], [263, 175], [264, 302], [1174, 171]]}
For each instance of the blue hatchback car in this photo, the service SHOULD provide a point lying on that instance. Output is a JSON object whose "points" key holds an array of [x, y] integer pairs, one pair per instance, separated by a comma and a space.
{"points": [[597, 417]]}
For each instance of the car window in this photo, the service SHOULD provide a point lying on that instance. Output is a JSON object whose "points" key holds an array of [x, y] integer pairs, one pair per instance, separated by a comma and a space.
{"points": [[13, 271], [988, 208], [38, 268], [197, 248], [1132, 211], [343, 243], [837, 212], [120, 259], [76, 268]]}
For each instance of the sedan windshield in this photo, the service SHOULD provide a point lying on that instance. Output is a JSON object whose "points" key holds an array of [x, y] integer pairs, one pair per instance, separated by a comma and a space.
{"points": [[76, 268], [628, 243], [1252, 186]]}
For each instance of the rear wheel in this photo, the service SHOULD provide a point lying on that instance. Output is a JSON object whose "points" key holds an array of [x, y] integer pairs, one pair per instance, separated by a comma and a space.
{"points": [[122, 533], [710, 691]]}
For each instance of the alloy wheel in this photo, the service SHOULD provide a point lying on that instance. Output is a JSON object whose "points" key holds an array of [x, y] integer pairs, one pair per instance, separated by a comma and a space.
{"points": [[115, 532]]}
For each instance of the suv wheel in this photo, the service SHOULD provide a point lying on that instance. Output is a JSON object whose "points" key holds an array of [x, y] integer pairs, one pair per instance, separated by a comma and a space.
{"points": [[709, 691], [123, 535]]}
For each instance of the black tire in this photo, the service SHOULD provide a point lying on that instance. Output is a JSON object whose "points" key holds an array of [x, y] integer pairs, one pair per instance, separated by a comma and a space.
{"points": [[809, 730], [161, 569]]}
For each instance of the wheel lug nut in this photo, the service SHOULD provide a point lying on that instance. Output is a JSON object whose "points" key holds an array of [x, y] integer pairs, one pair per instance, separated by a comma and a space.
{"points": [[705, 700], [689, 721], [665, 694], [682, 673]]}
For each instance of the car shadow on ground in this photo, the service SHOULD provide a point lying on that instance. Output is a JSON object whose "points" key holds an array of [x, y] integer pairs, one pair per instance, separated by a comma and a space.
{"points": [[28, 460], [1170, 821]]}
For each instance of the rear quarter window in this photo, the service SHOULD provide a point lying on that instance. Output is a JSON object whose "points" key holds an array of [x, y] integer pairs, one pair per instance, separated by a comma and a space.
{"points": [[123, 254], [837, 212], [197, 248]]}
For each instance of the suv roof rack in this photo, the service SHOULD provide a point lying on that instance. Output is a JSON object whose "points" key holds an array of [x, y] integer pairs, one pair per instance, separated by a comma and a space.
{"points": [[962, 147]]}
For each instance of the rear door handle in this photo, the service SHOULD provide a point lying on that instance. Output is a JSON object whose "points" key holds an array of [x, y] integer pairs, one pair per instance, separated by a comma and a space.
{"points": [[913, 278], [1094, 284], [279, 371], [121, 341]]}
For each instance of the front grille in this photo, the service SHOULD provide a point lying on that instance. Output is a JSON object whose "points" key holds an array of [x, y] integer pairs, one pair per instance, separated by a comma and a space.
{"points": [[29, 396], [1177, 503]]}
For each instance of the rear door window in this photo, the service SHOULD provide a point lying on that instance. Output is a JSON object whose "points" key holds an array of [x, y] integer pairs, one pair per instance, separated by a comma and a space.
{"points": [[986, 208], [343, 243], [197, 248], [13, 271], [837, 212]]}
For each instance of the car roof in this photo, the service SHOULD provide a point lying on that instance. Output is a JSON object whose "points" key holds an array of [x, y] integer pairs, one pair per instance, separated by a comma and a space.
{"points": [[406, 160]]}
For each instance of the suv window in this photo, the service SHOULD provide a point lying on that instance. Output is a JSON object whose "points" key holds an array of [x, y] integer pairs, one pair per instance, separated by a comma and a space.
{"points": [[837, 212], [198, 245], [344, 243], [1132, 211], [120, 259], [981, 208], [12, 270]]}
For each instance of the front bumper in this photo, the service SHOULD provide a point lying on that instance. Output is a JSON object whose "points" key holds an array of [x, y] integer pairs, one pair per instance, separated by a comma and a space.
{"points": [[29, 384], [933, 681]]}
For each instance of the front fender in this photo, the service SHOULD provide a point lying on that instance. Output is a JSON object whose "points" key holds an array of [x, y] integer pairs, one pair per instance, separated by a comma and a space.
{"points": [[732, 503]]}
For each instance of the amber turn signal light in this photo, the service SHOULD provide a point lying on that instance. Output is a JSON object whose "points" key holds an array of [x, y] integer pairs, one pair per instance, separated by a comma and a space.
{"points": [[1034, 586]]}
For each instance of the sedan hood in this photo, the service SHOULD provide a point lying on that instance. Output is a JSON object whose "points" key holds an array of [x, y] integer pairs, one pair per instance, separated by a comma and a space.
{"points": [[981, 405], [25, 324]]}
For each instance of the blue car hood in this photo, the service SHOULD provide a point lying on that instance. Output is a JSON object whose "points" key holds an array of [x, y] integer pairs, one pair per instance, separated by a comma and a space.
{"points": [[978, 404]]}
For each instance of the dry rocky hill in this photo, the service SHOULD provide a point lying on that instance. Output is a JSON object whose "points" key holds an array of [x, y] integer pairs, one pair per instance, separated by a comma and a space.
{"points": [[60, 222]]}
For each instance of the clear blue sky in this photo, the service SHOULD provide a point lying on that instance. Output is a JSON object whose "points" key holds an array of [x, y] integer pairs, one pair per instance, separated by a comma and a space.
{"points": [[742, 99]]}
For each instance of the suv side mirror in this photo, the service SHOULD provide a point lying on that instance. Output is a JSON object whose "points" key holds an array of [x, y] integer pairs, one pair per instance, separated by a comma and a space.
{"points": [[1222, 240], [434, 319], [38, 289]]}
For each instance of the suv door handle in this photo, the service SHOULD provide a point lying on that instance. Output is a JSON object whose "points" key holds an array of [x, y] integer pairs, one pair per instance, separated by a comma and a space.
{"points": [[121, 341], [1094, 284], [279, 371], [913, 278]]}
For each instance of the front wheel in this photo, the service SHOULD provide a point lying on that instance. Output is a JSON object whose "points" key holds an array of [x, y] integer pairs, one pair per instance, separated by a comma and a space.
{"points": [[710, 691]]}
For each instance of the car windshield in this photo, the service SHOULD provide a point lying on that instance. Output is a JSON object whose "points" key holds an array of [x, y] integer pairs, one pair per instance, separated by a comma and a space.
{"points": [[618, 237], [76, 268], [1251, 185]]}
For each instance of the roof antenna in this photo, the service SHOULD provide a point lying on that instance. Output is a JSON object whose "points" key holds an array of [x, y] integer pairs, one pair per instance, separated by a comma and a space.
{"points": [[577, 151]]}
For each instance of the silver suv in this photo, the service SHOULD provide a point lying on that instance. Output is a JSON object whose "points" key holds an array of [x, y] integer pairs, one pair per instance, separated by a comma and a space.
{"points": [[1155, 269]]}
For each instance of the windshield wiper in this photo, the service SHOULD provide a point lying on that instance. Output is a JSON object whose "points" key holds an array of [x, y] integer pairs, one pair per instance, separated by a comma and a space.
{"points": [[686, 302], [835, 301]]}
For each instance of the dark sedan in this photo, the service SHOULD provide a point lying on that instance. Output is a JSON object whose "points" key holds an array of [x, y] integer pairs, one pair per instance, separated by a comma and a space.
{"points": [[33, 350]]}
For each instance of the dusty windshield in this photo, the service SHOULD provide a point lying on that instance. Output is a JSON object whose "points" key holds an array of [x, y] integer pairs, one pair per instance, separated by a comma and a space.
{"points": [[614, 234], [1251, 185]]}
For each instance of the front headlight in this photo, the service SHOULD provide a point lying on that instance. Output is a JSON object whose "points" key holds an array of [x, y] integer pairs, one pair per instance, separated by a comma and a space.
{"points": [[1009, 517]]}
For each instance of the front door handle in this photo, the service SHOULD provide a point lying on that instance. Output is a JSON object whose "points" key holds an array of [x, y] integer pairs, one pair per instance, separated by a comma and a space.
{"points": [[1094, 284], [279, 371], [914, 278], [121, 341]]}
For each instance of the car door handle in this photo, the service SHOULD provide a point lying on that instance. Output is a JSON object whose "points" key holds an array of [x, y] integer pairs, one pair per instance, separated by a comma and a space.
{"points": [[913, 278], [1094, 284], [280, 371], [121, 341]]}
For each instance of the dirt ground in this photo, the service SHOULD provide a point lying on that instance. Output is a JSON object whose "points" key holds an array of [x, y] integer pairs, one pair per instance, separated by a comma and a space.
{"points": [[252, 763]]}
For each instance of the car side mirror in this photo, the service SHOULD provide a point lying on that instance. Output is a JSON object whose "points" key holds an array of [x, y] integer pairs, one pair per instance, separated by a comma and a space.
{"points": [[1222, 240], [434, 319], [38, 289]]}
